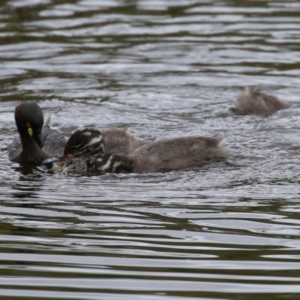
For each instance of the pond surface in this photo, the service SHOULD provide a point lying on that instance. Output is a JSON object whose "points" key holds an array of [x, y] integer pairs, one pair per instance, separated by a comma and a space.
{"points": [[161, 69]]}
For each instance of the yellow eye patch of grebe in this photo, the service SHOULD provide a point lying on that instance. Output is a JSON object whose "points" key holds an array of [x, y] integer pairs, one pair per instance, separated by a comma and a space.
{"points": [[30, 131]]}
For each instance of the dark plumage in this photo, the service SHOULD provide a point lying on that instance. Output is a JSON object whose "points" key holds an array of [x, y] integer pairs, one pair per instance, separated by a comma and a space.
{"points": [[83, 146], [253, 102], [110, 163], [159, 156], [32, 146], [85, 142]]}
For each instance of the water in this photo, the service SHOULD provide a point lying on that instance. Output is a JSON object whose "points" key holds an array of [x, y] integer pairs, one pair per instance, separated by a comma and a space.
{"points": [[160, 69]]}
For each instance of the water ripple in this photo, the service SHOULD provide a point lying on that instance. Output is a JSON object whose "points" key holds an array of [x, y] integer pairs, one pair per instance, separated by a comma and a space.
{"points": [[161, 69]]}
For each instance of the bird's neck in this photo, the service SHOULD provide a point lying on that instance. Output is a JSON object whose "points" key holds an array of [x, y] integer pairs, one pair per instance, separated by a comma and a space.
{"points": [[31, 152]]}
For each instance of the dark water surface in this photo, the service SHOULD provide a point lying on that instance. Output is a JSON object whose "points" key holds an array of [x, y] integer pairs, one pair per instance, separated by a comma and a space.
{"points": [[159, 68]]}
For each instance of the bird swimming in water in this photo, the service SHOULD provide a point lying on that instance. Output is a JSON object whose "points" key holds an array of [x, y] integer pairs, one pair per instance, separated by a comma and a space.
{"points": [[35, 143], [253, 102], [85, 154]]}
